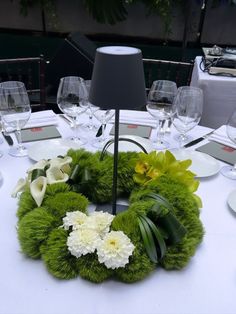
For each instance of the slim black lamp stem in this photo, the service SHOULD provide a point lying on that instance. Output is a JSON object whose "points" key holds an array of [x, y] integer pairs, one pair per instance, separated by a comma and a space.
{"points": [[115, 162]]}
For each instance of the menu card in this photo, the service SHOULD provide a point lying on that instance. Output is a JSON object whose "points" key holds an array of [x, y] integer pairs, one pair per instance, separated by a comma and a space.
{"points": [[219, 151], [133, 129], [39, 133]]}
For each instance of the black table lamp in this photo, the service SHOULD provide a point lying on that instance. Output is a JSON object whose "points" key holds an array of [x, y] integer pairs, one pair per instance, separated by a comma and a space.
{"points": [[117, 83]]}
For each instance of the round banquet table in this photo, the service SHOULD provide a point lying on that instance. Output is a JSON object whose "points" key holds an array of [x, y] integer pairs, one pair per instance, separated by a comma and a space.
{"points": [[206, 285]]}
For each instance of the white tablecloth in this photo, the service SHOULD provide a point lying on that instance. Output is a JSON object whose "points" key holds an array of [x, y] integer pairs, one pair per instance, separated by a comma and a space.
{"points": [[206, 286], [219, 96]]}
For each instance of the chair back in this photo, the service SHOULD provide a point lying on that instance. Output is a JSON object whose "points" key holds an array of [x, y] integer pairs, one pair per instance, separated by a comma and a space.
{"points": [[30, 71], [179, 72]]}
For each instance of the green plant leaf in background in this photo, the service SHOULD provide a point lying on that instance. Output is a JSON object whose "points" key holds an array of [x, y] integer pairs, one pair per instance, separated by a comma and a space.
{"points": [[107, 11]]}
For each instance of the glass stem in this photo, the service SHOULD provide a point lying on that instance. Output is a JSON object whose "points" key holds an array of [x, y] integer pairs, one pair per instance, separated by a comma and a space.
{"points": [[20, 145], [90, 119], [159, 132], [75, 128], [103, 132], [182, 138]]}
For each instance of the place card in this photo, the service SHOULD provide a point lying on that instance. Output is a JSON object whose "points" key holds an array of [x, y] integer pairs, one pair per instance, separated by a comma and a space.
{"points": [[39, 133], [219, 151], [133, 129]]}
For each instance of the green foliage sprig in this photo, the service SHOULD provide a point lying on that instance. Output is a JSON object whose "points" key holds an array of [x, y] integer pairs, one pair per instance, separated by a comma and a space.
{"points": [[167, 227]]}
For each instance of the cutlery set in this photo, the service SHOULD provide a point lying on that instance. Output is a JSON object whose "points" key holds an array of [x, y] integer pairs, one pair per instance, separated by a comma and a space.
{"points": [[165, 129], [199, 139]]}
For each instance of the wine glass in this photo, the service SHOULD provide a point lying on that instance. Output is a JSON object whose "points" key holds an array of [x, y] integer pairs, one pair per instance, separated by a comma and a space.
{"points": [[71, 99], [90, 126], [160, 100], [230, 171], [15, 109], [1, 130], [188, 107], [103, 116]]}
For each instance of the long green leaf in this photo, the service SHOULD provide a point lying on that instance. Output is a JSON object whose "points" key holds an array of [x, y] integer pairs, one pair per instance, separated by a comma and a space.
{"points": [[148, 240], [176, 231], [157, 234], [75, 174], [160, 199]]}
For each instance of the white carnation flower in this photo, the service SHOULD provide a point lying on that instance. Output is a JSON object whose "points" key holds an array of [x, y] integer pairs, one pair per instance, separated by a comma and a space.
{"points": [[114, 250], [74, 219], [82, 241], [100, 221]]}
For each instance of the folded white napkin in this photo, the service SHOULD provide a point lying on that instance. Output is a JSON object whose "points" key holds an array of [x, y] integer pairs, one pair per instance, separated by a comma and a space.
{"points": [[41, 118], [220, 136], [136, 117]]}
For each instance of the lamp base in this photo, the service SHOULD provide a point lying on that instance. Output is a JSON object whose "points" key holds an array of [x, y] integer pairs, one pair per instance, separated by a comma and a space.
{"points": [[108, 208]]}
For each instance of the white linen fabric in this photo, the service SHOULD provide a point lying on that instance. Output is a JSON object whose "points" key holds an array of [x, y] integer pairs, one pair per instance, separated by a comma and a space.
{"points": [[207, 282], [41, 118], [136, 117], [219, 96], [221, 137]]}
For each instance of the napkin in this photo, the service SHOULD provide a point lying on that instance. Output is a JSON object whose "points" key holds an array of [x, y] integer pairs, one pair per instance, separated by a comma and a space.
{"points": [[41, 118], [220, 136], [136, 117]]}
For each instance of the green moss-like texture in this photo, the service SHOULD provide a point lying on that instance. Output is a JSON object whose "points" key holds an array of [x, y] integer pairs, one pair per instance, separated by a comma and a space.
{"points": [[92, 270], [33, 230], [59, 262], [41, 234], [26, 204]]}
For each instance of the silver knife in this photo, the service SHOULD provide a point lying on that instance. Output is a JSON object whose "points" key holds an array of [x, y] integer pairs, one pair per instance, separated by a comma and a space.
{"points": [[199, 139], [8, 139]]}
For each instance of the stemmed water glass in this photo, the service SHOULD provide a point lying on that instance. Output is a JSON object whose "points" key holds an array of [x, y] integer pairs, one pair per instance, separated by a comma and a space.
{"points": [[230, 171], [90, 126], [15, 109], [71, 99], [160, 100], [188, 107], [103, 116], [1, 130]]}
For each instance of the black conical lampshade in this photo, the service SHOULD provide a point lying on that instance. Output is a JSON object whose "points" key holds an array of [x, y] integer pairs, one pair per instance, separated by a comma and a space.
{"points": [[117, 83], [118, 78]]}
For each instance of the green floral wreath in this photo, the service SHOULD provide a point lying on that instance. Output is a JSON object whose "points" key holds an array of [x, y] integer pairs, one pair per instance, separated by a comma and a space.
{"points": [[162, 221]]}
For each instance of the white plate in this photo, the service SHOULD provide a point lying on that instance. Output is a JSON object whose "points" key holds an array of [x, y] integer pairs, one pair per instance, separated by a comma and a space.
{"points": [[125, 146], [232, 200], [202, 165], [50, 149]]}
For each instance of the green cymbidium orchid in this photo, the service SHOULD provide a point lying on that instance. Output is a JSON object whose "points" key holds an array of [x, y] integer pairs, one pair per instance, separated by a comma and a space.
{"points": [[155, 164]]}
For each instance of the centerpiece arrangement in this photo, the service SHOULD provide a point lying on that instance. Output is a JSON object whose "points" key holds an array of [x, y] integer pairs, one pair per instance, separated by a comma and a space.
{"points": [[160, 228]]}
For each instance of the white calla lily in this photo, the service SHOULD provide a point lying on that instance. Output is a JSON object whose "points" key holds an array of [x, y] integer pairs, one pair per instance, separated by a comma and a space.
{"points": [[20, 186], [56, 175], [38, 189], [39, 165], [61, 163]]}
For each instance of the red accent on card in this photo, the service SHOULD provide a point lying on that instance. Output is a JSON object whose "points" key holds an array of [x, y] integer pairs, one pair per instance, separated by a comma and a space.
{"points": [[132, 126], [36, 129], [228, 149]]}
